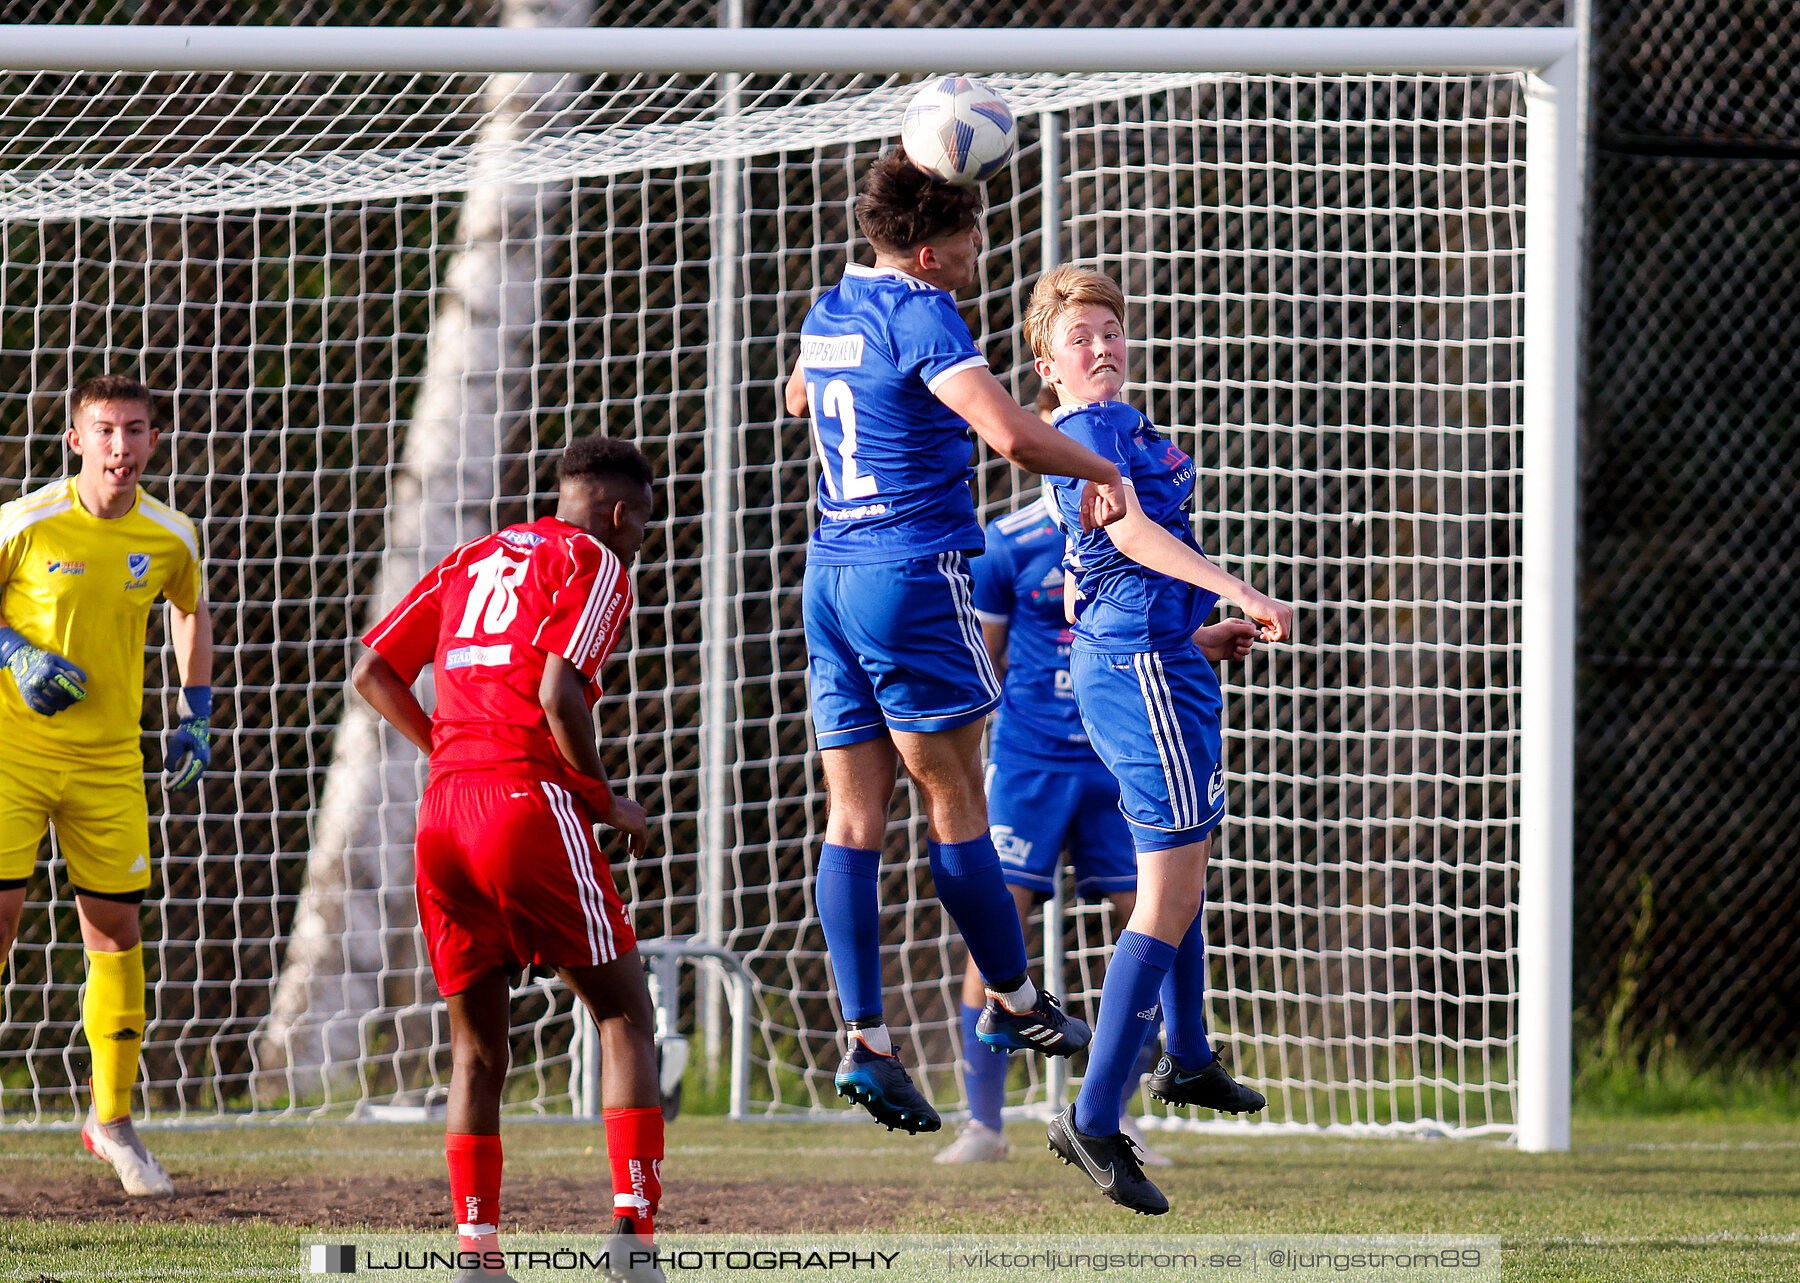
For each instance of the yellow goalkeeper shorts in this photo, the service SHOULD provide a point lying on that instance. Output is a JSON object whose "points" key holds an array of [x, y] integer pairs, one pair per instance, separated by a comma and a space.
{"points": [[102, 822]]}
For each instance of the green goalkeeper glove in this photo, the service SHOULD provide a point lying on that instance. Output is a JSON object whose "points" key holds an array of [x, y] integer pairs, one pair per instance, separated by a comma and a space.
{"points": [[47, 682]]}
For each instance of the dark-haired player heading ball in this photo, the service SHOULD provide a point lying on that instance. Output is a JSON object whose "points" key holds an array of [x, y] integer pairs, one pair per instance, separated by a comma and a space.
{"points": [[897, 672], [516, 626]]}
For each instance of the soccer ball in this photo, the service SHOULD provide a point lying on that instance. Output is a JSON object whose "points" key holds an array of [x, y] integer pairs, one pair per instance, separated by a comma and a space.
{"points": [[958, 130]]}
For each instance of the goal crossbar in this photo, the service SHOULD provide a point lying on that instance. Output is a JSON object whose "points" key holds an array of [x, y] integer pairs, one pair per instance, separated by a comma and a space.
{"points": [[775, 51]]}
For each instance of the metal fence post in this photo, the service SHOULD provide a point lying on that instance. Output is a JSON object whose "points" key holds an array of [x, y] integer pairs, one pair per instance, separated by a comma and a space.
{"points": [[716, 573], [1055, 916]]}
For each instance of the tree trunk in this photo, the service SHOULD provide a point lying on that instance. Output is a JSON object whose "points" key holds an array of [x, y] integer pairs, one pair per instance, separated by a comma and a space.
{"points": [[353, 964]]}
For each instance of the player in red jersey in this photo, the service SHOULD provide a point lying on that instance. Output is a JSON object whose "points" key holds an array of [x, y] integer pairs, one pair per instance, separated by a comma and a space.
{"points": [[515, 625]]}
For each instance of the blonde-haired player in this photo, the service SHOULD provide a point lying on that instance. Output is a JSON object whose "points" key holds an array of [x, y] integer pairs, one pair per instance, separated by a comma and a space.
{"points": [[1150, 701], [82, 561], [1047, 791]]}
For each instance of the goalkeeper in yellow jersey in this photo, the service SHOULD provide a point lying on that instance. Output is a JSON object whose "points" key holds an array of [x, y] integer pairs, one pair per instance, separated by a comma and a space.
{"points": [[82, 561]]}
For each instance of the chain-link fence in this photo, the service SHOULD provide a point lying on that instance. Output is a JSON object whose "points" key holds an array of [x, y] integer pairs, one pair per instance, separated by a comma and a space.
{"points": [[1690, 612], [1687, 902]]}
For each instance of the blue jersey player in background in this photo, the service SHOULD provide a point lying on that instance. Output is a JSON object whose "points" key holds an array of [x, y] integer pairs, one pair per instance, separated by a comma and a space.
{"points": [[896, 672], [1150, 701], [1047, 791]]}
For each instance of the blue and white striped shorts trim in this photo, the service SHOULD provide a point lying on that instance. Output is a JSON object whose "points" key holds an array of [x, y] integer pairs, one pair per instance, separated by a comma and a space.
{"points": [[895, 645], [1153, 717]]}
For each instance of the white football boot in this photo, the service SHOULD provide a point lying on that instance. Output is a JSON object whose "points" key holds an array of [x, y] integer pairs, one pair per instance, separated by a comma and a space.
{"points": [[118, 1143], [975, 1142]]}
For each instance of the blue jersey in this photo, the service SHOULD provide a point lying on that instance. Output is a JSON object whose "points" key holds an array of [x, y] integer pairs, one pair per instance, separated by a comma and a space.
{"points": [[1019, 583], [895, 462], [1126, 608]]}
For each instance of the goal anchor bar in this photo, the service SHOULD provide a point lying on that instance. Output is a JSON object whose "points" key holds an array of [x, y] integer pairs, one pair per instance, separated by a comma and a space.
{"points": [[770, 51]]}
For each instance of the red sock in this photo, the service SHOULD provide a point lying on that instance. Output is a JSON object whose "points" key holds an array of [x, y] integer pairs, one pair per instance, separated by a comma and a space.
{"points": [[475, 1163], [634, 1147]]}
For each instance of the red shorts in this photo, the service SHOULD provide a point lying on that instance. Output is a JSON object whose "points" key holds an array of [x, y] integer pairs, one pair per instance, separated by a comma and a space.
{"points": [[509, 874]]}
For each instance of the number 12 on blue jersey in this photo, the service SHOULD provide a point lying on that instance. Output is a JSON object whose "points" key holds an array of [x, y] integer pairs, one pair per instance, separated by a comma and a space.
{"points": [[834, 428]]}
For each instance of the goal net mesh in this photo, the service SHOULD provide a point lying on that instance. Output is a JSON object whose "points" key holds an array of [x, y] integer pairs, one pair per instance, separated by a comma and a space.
{"points": [[377, 306]]}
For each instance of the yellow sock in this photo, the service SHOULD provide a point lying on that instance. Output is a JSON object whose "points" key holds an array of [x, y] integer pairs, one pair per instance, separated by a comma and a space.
{"points": [[112, 1014]]}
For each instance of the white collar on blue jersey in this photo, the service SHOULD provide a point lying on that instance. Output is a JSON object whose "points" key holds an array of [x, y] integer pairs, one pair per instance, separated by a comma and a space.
{"points": [[1064, 411], [858, 269]]}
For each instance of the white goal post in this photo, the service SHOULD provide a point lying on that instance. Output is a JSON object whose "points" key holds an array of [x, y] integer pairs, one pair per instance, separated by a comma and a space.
{"points": [[382, 274]]}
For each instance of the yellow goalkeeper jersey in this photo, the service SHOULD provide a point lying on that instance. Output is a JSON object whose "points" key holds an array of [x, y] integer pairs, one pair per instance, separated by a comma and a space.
{"points": [[83, 587]]}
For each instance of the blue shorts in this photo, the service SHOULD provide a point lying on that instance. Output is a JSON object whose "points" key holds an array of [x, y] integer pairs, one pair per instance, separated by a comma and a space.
{"points": [[1037, 810], [1153, 718], [894, 645]]}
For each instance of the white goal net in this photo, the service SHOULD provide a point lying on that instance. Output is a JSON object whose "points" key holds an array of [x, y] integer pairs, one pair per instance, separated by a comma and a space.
{"points": [[376, 306]]}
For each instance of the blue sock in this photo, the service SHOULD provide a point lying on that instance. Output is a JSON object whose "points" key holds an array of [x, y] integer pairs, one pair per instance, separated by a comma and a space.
{"points": [[1184, 999], [1127, 1011], [1146, 1062], [850, 912], [984, 1073], [969, 886]]}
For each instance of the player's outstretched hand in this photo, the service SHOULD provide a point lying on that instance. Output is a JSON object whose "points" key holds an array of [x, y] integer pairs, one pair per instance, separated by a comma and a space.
{"points": [[1276, 618], [47, 682], [629, 818], [190, 746], [1227, 639], [1102, 503]]}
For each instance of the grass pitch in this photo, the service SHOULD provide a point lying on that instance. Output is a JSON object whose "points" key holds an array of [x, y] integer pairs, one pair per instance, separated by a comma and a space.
{"points": [[1641, 1199]]}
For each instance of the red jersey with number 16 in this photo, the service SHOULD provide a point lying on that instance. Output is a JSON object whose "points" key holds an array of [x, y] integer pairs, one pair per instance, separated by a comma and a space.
{"points": [[487, 617]]}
